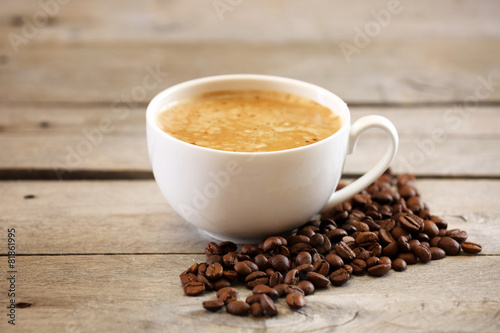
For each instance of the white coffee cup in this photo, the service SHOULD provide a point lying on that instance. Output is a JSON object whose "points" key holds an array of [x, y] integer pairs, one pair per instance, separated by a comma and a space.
{"points": [[245, 196]]}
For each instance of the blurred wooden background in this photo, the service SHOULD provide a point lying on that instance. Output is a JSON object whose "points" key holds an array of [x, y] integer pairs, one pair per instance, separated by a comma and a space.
{"points": [[102, 250]]}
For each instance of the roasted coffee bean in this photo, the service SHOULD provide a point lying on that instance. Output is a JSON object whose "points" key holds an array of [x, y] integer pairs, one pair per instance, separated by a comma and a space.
{"points": [[256, 310], [249, 250], [412, 223], [336, 235], [344, 251], [304, 269], [366, 238], [203, 279], [303, 258], [194, 288], [400, 231], [437, 253], [372, 261], [440, 223], [442, 232], [193, 269], [256, 278], [316, 240], [255, 298], [202, 268], [271, 243], [263, 289], [187, 277], [300, 247], [376, 250], [261, 261], [358, 267], [403, 244], [230, 259], [280, 263], [390, 250], [214, 259], [384, 236], [399, 265], [221, 283], [270, 271], [322, 267], [430, 228], [409, 257], [238, 308], [275, 279], [214, 271], [230, 275], [388, 224], [290, 288], [281, 289], [422, 253], [245, 267], [306, 286], [295, 239], [213, 305], [243, 257], [227, 247], [350, 241], [379, 270], [268, 306], [292, 277], [413, 244], [408, 191], [319, 281], [339, 277], [415, 204], [384, 261], [449, 245], [334, 260], [213, 249], [348, 268], [317, 257], [423, 237], [434, 241], [363, 254], [360, 226], [295, 301], [227, 294], [460, 235], [469, 247], [425, 244]]}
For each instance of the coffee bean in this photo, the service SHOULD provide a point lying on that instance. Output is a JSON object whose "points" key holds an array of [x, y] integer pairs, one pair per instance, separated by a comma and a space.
{"points": [[422, 253], [193, 269], [344, 251], [292, 277], [399, 265], [229, 259], [437, 253], [409, 257], [263, 289], [334, 260], [214, 259], [306, 286], [255, 298], [212, 249], [430, 228], [245, 267], [403, 244], [281, 289], [275, 279], [384, 261], [460, 236], [390, 250], [280, 263], [268, 306], [322, 267], [303, 258], [238, 308], [213, 305], [250, 250], [295, 301], [376, 250], [202, 268], [271, 243], [295, 239], [230, 275], [227, 294], [290, 288], [221, 283], [194, 288], [367, 238], [470, 247], [339, 277], [412, 223], [187, 277], [400, 231], [434, 241], [384, 236], [256, 310], [336, 235], [449, 245], [319, 281], [415, 204], [372, 261], [440, 223], [227, 247], [203, 279], [358, 267], [379, 270], [304, 269], [413, 244], [256, 278], [300, 247], [214, 271]]}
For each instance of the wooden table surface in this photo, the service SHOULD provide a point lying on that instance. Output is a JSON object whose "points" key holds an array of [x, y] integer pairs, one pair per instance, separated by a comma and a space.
{"points": [[97, 247]]}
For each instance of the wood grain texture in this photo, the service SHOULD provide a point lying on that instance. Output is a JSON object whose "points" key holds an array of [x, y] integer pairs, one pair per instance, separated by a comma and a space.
{"points": [[420, 71], [78, 217], [63, 141], [129, 293]]}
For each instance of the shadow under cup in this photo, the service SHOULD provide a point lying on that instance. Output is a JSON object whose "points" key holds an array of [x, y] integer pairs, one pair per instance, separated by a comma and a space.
{"points": [[246, 196]]}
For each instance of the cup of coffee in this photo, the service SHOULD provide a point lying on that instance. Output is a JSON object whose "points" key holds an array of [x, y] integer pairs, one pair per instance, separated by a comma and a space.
{"points": [[246, 156]]}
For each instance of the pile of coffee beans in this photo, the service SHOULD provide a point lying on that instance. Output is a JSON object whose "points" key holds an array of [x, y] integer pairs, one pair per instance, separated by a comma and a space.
{"points": [[385, 226]]}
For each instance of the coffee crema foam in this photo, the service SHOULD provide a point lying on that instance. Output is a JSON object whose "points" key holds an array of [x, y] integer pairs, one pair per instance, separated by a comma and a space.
{"points": [[249, 121]]}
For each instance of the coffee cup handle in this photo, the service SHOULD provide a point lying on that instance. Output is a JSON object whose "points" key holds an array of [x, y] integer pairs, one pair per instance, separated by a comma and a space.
{"points": [[378, 169]]}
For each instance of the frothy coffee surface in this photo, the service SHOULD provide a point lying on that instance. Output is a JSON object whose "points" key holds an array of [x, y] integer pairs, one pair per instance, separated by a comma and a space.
{"points": [[249, 121]]}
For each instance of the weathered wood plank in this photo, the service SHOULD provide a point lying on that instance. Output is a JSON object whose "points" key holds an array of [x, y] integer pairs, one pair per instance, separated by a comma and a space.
{"points": [[132, 216], [403, 71], [249, 21], [142, 293], [58, 140]]}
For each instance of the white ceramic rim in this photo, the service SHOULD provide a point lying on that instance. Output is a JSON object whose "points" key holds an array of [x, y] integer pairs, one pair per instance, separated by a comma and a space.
{"points": [[157, 105]]}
